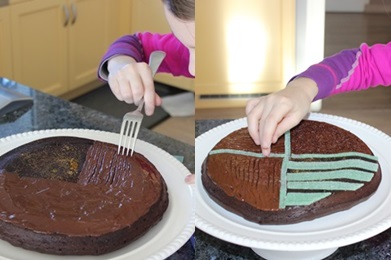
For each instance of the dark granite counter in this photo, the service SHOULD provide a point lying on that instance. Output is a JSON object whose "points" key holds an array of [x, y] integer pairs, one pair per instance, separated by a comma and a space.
{"points": [[209, 247], [48, 112]]}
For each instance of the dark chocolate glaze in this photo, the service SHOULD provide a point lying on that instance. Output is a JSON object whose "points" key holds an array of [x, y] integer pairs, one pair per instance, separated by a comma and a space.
{"points": [[97, 195]]}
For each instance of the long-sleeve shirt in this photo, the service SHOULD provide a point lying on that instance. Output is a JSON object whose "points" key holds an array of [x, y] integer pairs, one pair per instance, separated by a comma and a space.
{"points": [[140, 45], [354, 69]]}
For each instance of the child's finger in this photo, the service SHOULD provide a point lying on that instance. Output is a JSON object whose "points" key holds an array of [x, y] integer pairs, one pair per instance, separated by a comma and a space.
{"points": [[254, 114]]}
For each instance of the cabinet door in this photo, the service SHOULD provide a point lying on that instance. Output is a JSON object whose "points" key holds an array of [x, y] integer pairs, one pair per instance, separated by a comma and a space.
{"points": [[243, 49], [88, 34], [5, 44], [148, 15], [40, 45]]}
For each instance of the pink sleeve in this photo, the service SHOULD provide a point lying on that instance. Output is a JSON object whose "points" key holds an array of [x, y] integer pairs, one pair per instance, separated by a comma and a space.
{"points": [[352, 69], [177, 59], [140, 45], [372, 68]]}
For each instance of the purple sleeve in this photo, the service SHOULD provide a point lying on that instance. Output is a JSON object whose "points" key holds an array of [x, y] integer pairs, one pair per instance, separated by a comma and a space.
{"points": [[140, 45], [350, 70], [126, 45]]}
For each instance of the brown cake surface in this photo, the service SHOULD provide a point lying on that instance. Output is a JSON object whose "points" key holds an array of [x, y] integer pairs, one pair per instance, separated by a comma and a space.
{"points": [[314, 170], [75, 196]]}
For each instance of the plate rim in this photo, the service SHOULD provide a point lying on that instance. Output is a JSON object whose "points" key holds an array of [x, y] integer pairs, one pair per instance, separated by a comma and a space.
{"points": [[170, 247], [243, 240]]}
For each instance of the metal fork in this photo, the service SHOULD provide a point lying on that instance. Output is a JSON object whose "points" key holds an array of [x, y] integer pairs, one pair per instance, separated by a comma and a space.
{"points": [[131, 121]]}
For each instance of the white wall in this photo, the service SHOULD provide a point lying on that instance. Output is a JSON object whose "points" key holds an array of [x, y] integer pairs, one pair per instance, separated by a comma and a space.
{"points": [[310, 23], [346, 5]]}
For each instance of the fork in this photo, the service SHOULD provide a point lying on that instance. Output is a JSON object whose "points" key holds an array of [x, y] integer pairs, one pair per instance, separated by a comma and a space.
{"points": [[131, 121]]}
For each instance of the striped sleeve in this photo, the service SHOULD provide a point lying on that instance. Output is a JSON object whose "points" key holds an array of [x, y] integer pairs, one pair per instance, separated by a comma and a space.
{"points": [[140, 45], [350, 70]]}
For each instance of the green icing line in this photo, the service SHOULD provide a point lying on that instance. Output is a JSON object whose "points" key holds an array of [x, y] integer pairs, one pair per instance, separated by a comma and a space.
{"points": [[246, 153], [334, 155], [295, 156], [303, 199], [330, 165], [356, 175], [313, 179], [284, 170], [324, 185]]}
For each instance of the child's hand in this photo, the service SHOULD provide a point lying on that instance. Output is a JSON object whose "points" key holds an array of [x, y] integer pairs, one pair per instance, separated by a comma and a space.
{"points": [[271, 116], [131, 81]]}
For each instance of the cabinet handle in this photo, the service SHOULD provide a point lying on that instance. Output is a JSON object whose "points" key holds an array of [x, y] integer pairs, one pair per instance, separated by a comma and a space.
{"points": [[66, 12], [74, 13]]}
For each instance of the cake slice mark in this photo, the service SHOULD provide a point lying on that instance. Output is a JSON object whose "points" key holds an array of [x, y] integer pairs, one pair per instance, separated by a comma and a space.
{"points": [[117, 171], [90, 169], [244, 178], [317, 172]]}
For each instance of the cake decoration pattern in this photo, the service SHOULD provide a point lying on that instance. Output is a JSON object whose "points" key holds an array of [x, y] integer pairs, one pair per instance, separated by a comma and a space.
{"points": [[314, 170], [316, 174]]}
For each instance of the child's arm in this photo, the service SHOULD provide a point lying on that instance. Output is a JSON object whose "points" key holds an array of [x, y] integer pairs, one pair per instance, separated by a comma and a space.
{"points": [[270, 116], [124, 66], [140, 45], [354, 69]]}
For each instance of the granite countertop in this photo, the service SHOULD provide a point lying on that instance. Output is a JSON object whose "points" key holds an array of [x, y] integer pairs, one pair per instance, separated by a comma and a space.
{"points": [[209, 247], [48, 112]]}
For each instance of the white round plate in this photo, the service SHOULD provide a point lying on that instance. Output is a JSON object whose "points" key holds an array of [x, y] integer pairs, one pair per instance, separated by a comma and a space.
{"points": [[162, 240], [321, 235]]}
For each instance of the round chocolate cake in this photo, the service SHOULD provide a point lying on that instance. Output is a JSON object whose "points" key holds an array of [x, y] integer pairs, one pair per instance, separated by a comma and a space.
{"points": [[75, 196], [314, 170]]}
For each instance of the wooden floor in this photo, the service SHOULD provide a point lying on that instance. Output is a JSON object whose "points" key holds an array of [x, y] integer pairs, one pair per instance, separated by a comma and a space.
{"points": [[180, 128], [372, 106], [343, 30]]}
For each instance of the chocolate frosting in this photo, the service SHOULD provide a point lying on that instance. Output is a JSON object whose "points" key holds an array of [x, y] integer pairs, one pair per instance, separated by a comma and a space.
{"points": [[237, 176], [111, 192]]}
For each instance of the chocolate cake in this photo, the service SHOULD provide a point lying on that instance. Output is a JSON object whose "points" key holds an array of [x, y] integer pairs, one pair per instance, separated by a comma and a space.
{"points": [[314, 170], [75, 196]]}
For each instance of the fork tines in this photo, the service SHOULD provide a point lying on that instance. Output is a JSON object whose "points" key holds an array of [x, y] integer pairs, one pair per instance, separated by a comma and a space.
{"points": [[128, 136]]}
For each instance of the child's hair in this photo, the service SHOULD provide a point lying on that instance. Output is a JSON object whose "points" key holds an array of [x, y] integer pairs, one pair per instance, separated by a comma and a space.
{"points": [[183, 9]]}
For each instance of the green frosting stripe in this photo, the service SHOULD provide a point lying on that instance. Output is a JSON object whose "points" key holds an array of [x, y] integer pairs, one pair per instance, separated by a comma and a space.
{"points": [[295, 156], [330, 165], [284, 170], [317, 174], [324, 185], [303, 199], [355, 175], [246, 153], [334, 155]]}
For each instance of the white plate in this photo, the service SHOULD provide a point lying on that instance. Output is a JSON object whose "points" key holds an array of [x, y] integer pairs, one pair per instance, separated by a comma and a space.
{"points": [[365, 220], [162, 240]]}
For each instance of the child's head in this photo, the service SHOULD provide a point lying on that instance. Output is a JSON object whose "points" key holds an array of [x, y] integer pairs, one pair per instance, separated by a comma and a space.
{"points": [[180, 16], [182, 9]]}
